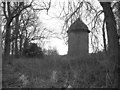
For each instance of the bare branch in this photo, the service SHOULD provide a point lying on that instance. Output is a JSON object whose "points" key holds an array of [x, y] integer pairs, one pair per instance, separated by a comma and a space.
{"points": [[4, 9]]}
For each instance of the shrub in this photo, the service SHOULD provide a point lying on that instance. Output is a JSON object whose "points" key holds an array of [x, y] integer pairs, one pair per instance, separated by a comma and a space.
{"points": [[51, 51], [33, 51]]}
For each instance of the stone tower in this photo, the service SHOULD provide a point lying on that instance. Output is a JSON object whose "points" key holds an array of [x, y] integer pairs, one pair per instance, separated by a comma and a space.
{"points": [[78, 39]]}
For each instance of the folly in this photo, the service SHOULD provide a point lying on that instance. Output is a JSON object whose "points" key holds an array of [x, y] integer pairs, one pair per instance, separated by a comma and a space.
{"points": [[78, 39]]}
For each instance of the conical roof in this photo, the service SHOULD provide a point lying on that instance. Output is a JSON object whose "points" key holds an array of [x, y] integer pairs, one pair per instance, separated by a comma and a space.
{"points": [[78, 25]]}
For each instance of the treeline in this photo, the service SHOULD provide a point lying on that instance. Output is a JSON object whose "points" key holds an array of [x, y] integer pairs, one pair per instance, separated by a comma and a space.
{"points": [[20, 26]]}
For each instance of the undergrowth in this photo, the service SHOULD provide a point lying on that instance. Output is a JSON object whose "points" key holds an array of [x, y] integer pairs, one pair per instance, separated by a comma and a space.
{"points": [[54, 71]]}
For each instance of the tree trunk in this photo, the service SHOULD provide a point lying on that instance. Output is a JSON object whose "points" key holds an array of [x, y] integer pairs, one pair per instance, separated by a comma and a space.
{"points": [[26, 43], [16, 35], [8, 30], [119, 64], [104, 39], [112, 39], [12, 48], [21, 43], [7, 41], [0, 47]]}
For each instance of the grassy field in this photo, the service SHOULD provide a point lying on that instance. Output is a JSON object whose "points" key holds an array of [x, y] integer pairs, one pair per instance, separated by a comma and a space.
{"points": [[54, 71]]}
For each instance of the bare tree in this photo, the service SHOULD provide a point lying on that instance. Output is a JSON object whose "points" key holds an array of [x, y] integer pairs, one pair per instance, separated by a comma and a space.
{"points": [[31, 30], [112, 37], [10, 12], [116, 10]]}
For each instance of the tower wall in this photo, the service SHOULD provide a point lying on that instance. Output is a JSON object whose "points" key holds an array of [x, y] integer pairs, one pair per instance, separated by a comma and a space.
{"points": [[78, 44]]}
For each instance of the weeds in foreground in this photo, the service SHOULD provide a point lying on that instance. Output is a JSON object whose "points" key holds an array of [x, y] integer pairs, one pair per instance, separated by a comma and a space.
{"points": [[55, 71]]}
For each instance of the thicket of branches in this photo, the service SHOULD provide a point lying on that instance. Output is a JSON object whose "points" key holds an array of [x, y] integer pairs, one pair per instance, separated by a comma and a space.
{"points": [[20, 26]]}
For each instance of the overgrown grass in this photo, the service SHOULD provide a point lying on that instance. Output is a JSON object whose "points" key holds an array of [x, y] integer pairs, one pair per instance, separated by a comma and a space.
{"points": [[83, 73]]}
